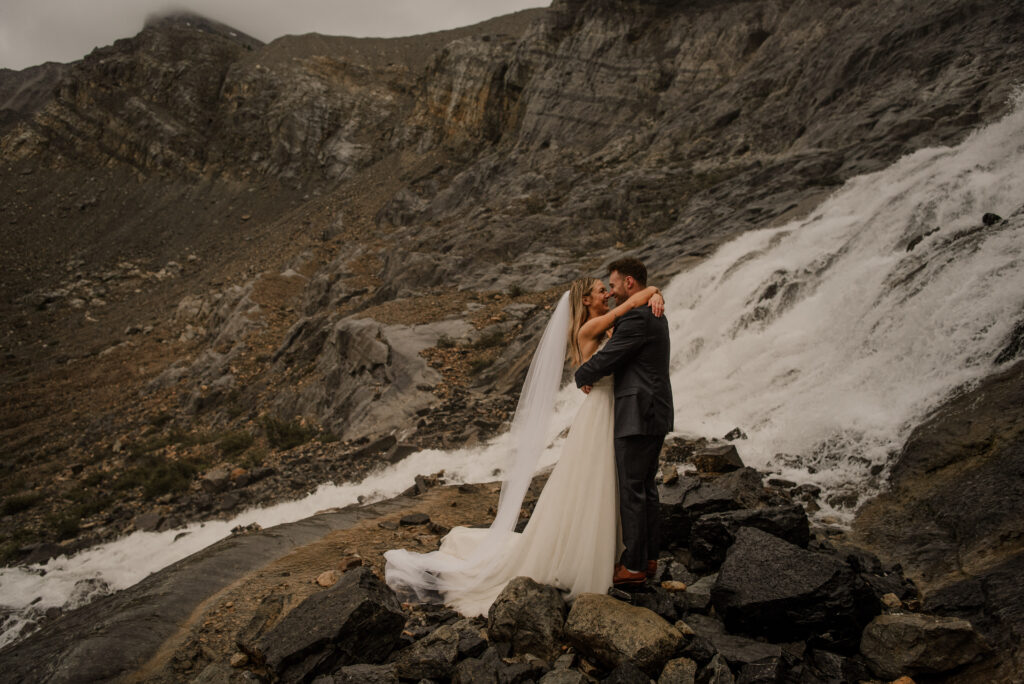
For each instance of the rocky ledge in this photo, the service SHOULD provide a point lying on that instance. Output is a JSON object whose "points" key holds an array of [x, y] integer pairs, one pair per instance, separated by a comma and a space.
{"points": [[746, 590]]}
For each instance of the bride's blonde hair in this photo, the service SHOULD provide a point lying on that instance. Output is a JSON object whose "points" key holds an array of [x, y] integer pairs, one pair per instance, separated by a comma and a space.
{"points": [[578, 315]]}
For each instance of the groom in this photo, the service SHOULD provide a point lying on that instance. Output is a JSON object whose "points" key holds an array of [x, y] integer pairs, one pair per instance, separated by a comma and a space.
{"points": [[638, 355]]}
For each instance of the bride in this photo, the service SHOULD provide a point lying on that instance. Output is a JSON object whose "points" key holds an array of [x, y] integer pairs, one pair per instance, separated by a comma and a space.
{"points": [[572, 540]]}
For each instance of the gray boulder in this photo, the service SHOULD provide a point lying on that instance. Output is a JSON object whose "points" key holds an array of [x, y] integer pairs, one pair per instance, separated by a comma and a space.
{"points": [[915, 644], [530, 616], [610, 632], [358, 620], [769, 587]]}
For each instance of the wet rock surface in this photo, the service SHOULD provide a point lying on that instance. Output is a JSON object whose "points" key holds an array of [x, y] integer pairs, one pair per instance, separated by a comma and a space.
{"points": [[358, 620], [529, 616], [770, 587], [949, 521], [919, 645]]}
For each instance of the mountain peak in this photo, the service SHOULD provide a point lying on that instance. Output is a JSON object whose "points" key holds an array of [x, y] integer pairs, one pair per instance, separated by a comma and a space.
{"points": [[184, 19]]}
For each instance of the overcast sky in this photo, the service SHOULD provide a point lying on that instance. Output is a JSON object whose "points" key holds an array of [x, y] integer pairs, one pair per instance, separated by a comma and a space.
{"points": [[37, 31]]}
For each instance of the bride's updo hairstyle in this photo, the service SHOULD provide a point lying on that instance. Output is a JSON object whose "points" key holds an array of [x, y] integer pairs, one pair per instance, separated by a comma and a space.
{"points": [[578, 314]]}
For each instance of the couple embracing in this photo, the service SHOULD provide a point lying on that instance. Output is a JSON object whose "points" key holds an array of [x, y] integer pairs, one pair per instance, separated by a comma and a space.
{"points": [[595, 523]]}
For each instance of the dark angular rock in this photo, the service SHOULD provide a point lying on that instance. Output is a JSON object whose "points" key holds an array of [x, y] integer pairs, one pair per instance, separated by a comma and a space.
{"points": [[698, 594], [491, 668], [735, 433], [675, 519], [827, 667], [216, 480], [148, 522], [990, 219], [530, 616], [768, 671], [717, 459], [679, 671], [358, 620], [414, 519], [717, 672], [769, 587], [627, 673], [564, 677], [729, 492], [698, 649], [713, 534], [266, 613], [432, 657], [738, 651], [680, 573], [679, 449], [361, 674], [671, 605], [918, 644]]}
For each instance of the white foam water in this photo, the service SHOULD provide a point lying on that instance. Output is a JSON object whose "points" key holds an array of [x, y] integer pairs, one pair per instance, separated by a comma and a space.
{"points": [[827, 340]]}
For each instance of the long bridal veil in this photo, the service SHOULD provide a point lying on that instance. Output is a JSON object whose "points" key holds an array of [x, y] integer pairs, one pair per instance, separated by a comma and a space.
{"points": [[429, 576]]}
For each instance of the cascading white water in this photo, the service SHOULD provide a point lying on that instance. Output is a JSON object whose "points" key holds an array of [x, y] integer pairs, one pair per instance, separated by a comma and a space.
{"points": [[826, 340]]}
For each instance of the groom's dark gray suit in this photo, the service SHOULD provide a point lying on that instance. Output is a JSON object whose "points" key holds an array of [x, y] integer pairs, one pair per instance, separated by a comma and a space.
{"points": [[638, 355]]}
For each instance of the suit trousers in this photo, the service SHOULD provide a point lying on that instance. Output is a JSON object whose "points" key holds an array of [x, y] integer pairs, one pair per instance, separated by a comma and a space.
{"points": [[636, 462]]}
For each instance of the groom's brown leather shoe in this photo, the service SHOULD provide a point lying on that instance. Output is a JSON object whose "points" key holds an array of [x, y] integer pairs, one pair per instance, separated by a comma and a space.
{"points": [[624, 575], [652, 568]]}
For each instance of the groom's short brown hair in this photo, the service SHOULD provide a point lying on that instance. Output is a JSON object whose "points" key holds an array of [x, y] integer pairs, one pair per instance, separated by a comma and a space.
{"points": [[630, 266]]}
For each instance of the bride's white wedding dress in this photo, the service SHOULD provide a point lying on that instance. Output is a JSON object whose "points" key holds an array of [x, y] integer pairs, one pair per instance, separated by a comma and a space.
{"points": [[572, 538], [570, 542]]}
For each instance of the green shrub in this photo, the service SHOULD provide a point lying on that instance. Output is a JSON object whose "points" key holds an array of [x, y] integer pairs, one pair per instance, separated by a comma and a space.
{"points": [[328, 437], [286, 434], [255, 457], [480, 365], [16, 503], [64, 524], [168, 477], [232, 444], [490, 339]]}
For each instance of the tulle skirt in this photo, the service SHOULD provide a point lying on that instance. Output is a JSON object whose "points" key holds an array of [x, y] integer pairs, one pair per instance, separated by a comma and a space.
{"points": [[570, 542]]}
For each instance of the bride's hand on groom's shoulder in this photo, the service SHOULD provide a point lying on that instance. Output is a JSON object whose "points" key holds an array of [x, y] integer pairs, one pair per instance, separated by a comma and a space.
{"points": [[657, 304]]}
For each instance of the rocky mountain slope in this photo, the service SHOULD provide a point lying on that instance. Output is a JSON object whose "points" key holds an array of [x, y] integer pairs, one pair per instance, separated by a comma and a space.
{"points": [[299, 258]]}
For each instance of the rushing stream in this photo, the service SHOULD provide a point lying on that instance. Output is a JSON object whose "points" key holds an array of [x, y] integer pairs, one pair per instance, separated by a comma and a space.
{"points": [[826, 340]]}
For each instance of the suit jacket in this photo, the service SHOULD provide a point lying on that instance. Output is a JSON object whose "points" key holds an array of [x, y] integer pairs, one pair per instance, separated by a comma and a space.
{"points": [[638, 355]]}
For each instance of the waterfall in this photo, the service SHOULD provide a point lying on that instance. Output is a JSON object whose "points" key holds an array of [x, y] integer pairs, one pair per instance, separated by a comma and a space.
{"points": [[826, 340], [829, 339]]}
